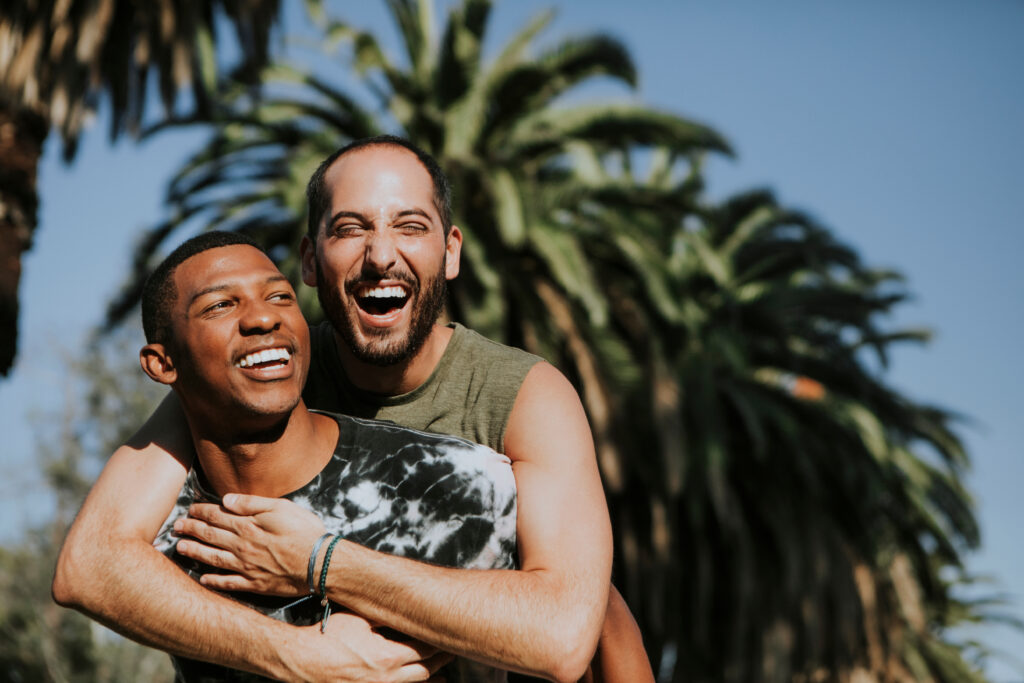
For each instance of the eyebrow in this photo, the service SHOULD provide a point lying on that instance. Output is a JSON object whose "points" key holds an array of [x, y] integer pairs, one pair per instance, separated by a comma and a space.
{"points": [[362, 217], [412, 212], [228, 285]]}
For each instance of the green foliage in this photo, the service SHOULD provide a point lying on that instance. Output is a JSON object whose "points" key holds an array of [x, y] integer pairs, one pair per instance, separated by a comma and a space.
{"points": [[820, 506], [781, 513], [40, 641], [107, 398], [58, 58]]}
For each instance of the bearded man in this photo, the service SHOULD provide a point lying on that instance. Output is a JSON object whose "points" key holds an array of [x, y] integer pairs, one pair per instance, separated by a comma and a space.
{"points": [[379, 250]]}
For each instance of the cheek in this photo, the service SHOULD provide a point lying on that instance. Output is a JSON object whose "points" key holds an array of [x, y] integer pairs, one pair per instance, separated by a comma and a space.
{"points": [[209, 345], [338, 260], [423, 255], [206, 359], [297, 323]]}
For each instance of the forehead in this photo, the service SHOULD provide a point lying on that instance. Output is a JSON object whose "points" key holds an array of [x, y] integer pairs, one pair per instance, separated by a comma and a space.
{"points": [[219, 267], [380, 177]]}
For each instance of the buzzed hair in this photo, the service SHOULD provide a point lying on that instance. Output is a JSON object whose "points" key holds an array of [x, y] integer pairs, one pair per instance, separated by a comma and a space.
{"points": [[159, 293], [317, 195]]}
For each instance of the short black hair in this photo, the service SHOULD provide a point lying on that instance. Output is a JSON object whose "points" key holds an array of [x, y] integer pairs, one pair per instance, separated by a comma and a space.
{"points": [[316, 191], [159, 292]]}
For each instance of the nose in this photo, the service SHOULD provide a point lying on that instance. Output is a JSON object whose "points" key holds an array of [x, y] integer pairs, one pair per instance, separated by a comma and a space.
{"points": [[380, 254], [259, 317]]}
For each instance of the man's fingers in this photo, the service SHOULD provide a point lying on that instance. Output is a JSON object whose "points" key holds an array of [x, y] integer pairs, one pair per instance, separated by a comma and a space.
{"points": [[409, 652], [228, 582], [217, 516], [210, 535], [415, 651], [215, 557], [437, 661], [242, 504], [424, 669]]}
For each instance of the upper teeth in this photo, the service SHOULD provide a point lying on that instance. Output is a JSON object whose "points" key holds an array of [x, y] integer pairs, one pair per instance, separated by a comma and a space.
{"points": [[384, 292], [264, 356]]}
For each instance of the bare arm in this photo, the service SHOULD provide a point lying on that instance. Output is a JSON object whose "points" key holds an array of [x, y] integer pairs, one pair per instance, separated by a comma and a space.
{"points": [[109, 570], [620, 656], [543, 619]]}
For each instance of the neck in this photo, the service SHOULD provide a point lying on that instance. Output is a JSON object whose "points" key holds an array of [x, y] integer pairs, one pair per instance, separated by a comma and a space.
{"points": [[402, 377], [268, 461]]}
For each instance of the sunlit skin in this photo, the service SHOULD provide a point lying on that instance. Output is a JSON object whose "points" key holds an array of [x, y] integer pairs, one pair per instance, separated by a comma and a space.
{"points": [[381, 229], [238, 358], [381, 234]]}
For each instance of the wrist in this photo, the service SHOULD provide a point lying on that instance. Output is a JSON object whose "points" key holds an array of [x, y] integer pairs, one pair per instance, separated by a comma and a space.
{"points": [[322, 588], [312, 563], [288, 653], [268, 648]]}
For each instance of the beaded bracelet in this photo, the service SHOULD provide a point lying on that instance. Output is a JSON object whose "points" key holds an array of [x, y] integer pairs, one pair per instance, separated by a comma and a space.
{"points": [[323, 583], [312, 562]]}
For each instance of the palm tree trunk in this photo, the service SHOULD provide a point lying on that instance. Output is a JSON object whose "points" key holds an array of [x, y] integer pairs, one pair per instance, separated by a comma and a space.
{"points": [[22, 132]]}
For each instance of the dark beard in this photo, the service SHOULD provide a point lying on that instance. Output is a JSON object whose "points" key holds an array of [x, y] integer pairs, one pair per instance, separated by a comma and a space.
{"points": [[426, 307]]}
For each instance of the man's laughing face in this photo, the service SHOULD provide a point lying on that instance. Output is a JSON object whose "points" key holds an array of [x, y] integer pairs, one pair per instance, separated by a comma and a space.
{"points": [[240, 344], [376, 333], [381, 260]]}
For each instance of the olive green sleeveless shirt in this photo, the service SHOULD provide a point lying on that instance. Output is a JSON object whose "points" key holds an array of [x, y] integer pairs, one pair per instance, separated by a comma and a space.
{"points": [[470, 393]]}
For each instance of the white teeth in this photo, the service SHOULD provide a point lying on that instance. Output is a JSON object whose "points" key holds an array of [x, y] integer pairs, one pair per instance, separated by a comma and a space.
{"points": [[264, 356], [383, 292]]}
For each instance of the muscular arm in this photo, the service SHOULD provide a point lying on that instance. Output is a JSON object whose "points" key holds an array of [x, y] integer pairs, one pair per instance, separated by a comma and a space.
{"points": [[109, 570], [543, 619]]}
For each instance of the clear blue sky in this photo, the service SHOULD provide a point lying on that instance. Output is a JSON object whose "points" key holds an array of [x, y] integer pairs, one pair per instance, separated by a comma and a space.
{"points": [[899, 125]]}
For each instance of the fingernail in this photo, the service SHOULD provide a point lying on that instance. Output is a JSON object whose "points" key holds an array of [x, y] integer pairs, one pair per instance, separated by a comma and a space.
{"points": [[179, 525], [229, 499]]}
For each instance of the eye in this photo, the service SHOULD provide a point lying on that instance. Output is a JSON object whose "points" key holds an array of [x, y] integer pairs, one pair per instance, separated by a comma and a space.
{"points": [[286, 297], [413, 227], [346, 229], [217, 306]]}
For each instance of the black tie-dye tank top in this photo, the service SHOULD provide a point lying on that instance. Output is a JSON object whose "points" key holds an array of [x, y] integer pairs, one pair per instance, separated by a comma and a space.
{"points": [[420, 495]]}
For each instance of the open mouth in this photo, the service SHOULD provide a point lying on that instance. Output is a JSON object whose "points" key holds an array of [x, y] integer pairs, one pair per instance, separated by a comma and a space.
{"points": [[382, 301], [265, 359]]}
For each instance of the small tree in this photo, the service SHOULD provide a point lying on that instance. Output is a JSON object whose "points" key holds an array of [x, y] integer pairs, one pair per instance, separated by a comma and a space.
{"points": [[107, 398], [57, 58]]}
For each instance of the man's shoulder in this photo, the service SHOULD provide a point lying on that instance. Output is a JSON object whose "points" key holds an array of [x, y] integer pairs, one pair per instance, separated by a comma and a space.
{"points": [[388, 435], [471, 342], [492, 367]]}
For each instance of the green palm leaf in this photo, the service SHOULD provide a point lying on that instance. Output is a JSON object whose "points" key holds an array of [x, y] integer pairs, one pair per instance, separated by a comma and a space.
{"points": [[781, 513]]}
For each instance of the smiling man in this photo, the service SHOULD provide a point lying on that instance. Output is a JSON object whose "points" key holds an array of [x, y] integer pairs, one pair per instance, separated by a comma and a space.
{"points": [[380, 249], [376, 268], [225, 332]]}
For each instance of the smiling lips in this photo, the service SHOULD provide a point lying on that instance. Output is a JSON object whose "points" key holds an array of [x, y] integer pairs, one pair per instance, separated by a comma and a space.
{"points": [[380, 300], [265, 358]]}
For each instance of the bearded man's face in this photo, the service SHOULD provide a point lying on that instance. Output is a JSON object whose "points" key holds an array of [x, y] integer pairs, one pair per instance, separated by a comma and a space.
{"points": [[381, 259]]}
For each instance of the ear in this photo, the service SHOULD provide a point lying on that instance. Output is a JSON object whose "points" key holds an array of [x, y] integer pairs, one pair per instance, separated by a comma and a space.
{"points": [[307, 254], [453, 250], [158, 364]]}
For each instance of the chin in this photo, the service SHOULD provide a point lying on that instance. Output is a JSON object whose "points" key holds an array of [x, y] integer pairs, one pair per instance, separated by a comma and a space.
{"points": [[384, 352], [267, 408]]}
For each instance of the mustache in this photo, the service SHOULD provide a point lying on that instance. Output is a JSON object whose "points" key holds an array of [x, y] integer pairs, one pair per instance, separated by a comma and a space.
{"points": [[402, 276]]}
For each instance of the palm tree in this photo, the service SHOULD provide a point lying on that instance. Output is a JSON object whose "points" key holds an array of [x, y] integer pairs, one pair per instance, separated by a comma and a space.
{"points": [[795, 517], [57, 58], [497, 128], [780, 513]]}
